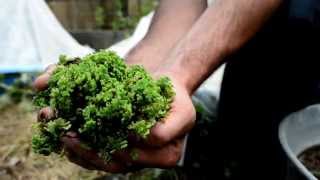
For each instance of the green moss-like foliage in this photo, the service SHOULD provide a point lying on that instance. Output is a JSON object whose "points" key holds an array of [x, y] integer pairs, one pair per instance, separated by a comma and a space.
{"points": [[101, 99]]}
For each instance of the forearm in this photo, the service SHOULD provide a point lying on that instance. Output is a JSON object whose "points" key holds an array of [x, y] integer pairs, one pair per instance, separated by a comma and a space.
{"points": [[171, 21], [221, 30]]}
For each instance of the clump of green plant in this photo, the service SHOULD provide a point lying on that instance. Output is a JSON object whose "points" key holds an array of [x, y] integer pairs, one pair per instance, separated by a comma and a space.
{"points": [[103, 100]]}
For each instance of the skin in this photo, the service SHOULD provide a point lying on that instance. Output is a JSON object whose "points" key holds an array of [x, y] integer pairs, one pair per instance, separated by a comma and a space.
{"points": [[165, 31], [187, 48]]}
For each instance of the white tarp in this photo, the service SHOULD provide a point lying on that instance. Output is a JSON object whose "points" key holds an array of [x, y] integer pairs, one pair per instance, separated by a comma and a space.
{"points": [[31, 37]]}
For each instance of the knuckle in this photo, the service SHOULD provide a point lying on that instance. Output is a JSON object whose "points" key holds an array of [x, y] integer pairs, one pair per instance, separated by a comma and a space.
{"points": [[40, 83], [37, 82], [46, 114], [158, 139]]}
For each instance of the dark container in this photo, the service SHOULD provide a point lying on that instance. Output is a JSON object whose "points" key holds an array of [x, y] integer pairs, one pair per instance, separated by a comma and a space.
{"points": [[98, 39]]}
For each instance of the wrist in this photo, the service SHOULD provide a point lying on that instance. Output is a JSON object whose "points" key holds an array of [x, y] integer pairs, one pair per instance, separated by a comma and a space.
{"points": [[190, 69], [175, 76], [146, 54]]}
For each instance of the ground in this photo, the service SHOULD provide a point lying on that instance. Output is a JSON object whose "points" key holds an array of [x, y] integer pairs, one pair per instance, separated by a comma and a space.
{"points": [[17, 161]]}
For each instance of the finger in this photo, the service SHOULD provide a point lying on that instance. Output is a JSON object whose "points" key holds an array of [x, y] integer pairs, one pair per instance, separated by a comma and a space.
{"points": [[135, 139], [72, 157], [50, 68], [41, 82], [46, 114], [179, 121], [164, 157], [90, 156]]}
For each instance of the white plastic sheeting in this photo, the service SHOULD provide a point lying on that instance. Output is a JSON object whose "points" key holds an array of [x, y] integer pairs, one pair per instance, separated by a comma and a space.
{"points": [[123, 47], [31, 37]]}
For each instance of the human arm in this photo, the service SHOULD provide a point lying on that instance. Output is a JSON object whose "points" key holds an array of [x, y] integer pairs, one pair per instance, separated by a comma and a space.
{"points": [[220, 31], [171, 21]]}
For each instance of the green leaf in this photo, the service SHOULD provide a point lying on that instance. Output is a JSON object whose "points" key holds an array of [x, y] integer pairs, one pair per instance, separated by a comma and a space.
{"points": [[103, 100]]}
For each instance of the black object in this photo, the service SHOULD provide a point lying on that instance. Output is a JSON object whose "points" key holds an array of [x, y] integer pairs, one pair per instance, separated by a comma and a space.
{"points": [[98, 39]]}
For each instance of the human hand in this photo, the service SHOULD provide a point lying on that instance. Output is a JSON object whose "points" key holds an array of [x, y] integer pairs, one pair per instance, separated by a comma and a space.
{"points": [[162, 148]]}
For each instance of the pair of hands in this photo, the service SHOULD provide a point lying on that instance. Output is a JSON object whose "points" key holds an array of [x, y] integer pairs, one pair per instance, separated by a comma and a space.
{"points": [[162, 148]]}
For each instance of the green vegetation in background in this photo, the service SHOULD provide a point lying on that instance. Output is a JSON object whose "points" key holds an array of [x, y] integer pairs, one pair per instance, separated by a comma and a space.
{"points": [[19, 90], [120, 20], [100, 16]]}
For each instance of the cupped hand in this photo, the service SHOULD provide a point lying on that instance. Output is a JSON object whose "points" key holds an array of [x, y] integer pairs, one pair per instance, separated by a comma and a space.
{"points": [[162, 148]]}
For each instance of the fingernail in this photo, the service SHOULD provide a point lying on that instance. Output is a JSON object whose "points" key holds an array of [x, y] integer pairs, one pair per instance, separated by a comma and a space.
{"points": [[46, 114], [71, 134]]}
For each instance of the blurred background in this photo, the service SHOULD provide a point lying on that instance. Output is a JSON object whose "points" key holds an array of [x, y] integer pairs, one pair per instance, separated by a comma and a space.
{"points": [[100, 23]]}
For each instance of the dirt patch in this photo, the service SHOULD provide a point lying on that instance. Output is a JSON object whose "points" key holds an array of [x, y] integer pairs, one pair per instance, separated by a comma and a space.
{"points": [[16, 159]]}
